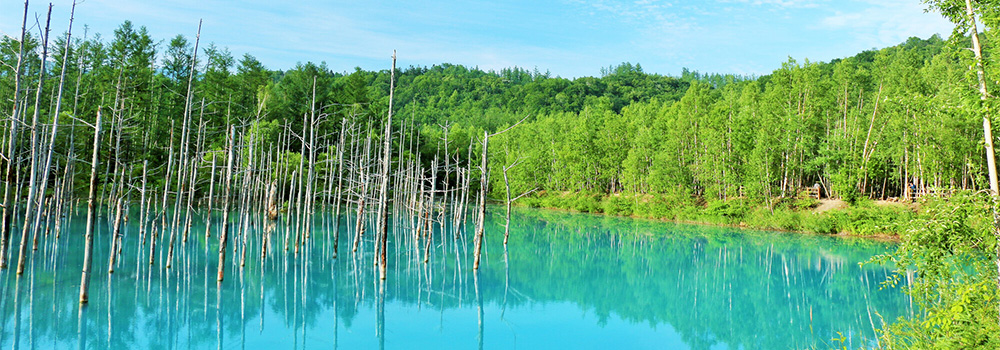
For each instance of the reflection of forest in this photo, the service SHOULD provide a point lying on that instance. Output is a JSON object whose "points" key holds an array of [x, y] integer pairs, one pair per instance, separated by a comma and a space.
{"points": [[714, 286], [745, 289]]}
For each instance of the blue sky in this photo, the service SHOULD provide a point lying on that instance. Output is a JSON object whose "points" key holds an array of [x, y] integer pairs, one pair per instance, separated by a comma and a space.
{"points": [[569, 38]]}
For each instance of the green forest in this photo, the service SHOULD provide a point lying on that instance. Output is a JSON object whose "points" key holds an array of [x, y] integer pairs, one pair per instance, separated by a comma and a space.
{"points": [[891, 125], [865, 126]]}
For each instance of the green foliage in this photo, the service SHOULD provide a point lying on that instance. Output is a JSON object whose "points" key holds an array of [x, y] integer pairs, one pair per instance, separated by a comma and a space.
{"points": [[845, 184], [866, 218], [725, 209], [628, 133], [763, 140], [803, 201], [619, 205], [821, 223], [783, 219], [949, 256]]}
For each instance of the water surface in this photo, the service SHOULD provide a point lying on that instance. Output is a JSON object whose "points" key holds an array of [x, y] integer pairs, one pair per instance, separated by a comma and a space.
{"points": [[564, 281]]}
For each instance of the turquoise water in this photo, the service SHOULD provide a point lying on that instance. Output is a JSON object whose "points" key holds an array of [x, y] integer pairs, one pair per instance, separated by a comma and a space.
{"points": [[566, 280]]}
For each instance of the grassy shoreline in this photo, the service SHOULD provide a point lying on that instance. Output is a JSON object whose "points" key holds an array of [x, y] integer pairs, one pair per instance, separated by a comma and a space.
{"points": [[869, 219]]}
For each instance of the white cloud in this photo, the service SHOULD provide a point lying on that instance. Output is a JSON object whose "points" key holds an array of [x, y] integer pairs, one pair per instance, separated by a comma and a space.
{"points": [[630, 11], [574, 36], [660, 24], [777, 3], [888, 22]]}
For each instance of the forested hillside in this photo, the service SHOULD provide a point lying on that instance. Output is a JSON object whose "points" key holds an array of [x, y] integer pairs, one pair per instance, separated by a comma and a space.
{"points": [[863, 126], [146, 83]]}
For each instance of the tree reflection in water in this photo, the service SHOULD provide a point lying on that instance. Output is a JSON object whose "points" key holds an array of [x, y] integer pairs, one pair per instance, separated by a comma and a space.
{"points": [[566, 280]]}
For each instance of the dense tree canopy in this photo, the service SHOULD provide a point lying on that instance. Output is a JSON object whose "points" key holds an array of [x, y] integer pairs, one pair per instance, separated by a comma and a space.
{"points": [[867, 125], [863, 126]]}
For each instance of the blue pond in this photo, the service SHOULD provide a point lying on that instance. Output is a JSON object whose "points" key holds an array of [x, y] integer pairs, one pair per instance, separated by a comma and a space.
{"points": [[564, 281]]}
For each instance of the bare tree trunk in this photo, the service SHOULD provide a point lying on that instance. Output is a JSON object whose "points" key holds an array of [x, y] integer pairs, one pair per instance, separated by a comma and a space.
{"points": [[190, 203], [89, 241], [363, 177], [225, 203], [182, 168], [430, 212], [481, 210], [506, 183], [272, 200], [64, 195], [143, 207], [340, 183], [33, 176], [383, 214], [420, 210], [211, 200], [245, 200], [461, 216], [447, 169], [8, 207], [163, 203], [299, 190], [309, 196], [115, 236], [272, 208], [483, 190], [55, 117]]}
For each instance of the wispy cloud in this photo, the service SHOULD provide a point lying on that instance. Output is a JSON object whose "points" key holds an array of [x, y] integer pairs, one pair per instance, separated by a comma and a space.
{"points": [[887, 22], [571, 37], [777, 3], [657, 24]]}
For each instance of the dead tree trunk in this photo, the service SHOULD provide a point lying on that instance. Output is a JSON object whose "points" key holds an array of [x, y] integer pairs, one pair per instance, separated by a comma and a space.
{"points": [[55, 120], [272, 200], [483, 190], [33, 176], [163, 204], [115, 236], [245, 201], [429, 232], [299, 190], [363, 178], [225, 203], [383, 215], [89, 240], [310, 178], [211, 200], [340, 183], [8, 207], [143, 207], [506, 183], [481, 210], [190, 203]]}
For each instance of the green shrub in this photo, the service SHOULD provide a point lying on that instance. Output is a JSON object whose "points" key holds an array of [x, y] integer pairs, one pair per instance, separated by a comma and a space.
{"points": [[729, 209], [788, 220], [534, 201], [659, 208], [804, 201], [866, 219], [587, 203], [820, 223], [618, 205], [952, 249]]}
